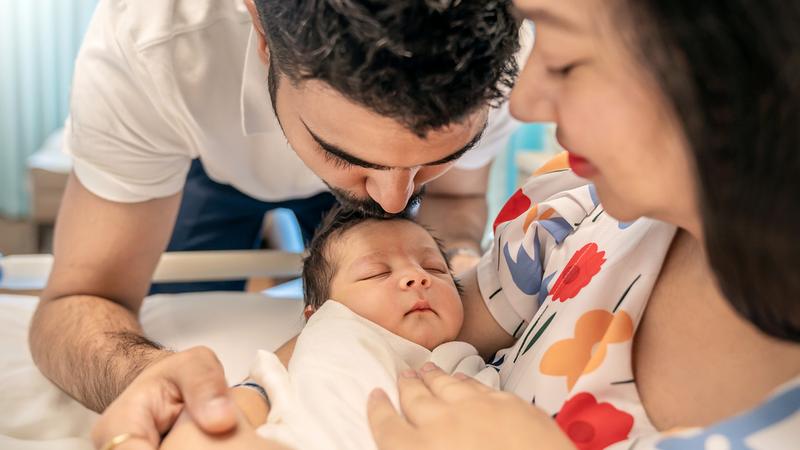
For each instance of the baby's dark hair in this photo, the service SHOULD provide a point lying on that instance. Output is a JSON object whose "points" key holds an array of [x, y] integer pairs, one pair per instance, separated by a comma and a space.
{"points": [[318, 266]]}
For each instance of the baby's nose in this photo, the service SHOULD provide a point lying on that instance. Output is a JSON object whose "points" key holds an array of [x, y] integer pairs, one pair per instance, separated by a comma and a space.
{"points": [[416, 279]]}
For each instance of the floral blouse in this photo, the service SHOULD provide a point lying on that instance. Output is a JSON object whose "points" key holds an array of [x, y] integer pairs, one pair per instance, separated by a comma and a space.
{"points": [[571, 283]]}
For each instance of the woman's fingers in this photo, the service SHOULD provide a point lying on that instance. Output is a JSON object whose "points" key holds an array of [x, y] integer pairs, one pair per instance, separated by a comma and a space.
{"points": [[472, 382], [416, 400], [446, 387], [390, 430]]}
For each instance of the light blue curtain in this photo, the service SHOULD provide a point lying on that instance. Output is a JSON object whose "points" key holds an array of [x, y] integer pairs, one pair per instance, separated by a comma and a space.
{"points": [[38, 43]]}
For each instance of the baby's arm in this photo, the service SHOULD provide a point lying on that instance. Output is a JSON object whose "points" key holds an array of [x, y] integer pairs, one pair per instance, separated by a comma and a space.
{"points": [[480, 328]]}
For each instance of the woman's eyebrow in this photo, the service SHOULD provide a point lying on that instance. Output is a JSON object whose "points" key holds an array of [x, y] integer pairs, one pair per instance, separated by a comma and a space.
{"points": [[541, 16], [345, 156]]}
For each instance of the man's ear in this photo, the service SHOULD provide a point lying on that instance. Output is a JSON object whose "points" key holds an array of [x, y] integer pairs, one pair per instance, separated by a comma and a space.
{"points": [[263, 48], [309, 311]]}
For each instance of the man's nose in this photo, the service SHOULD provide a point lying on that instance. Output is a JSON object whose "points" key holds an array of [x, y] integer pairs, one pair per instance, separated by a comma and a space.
{"points": [[415, 279], [392, 188]]}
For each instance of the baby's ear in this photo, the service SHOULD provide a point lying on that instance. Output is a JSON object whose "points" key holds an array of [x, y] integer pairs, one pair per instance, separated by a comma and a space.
{"points": [[309, 311]]}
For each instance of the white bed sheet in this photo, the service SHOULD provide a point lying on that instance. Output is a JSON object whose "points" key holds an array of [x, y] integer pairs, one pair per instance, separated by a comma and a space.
{"points": [[36, 415]]}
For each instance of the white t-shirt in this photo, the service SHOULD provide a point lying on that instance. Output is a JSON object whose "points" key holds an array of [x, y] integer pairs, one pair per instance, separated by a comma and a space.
{"points": [[161, 82]]}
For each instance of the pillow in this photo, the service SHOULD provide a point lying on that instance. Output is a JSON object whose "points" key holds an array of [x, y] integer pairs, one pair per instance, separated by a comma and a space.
{"points": [[40, 416]]}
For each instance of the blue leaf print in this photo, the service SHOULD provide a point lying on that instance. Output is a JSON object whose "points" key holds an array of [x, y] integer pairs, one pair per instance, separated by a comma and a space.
{"points": [[526, 271]]}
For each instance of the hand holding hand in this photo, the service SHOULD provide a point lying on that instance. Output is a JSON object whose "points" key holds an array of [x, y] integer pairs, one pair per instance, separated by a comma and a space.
{"points": [[150, 405]]}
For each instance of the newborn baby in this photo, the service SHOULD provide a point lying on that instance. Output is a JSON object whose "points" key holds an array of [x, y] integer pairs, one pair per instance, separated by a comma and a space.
{"points": [[380, 299]]}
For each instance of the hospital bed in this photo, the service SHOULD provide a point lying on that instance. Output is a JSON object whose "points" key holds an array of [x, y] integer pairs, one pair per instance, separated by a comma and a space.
{"points": [[36, 415]]}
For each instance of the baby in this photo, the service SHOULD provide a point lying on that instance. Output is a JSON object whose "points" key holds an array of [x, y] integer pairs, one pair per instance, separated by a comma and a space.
{"points": [[380, 299]]}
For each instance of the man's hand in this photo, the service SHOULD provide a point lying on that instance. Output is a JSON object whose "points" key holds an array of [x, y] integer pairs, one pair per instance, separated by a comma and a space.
{"points": [[457, 412], [153, 401]]}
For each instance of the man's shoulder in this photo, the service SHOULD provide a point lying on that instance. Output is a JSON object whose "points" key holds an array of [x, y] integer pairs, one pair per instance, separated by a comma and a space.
{"points": [[146, 23]]}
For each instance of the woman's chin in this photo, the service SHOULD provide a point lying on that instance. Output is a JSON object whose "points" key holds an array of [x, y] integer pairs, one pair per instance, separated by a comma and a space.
{"points": [[620, 209]]}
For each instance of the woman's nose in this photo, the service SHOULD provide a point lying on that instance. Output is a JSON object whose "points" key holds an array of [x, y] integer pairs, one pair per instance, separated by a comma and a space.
{"points": [[392, 188], [415, 279], [530, 100]]}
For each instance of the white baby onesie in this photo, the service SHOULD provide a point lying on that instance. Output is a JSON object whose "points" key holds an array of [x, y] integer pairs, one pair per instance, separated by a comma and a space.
{"points": [[339, 358]]}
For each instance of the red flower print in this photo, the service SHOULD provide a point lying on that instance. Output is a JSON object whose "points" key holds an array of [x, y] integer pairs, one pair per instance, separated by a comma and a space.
{"points": [[578, 272], [591, 425], [514, 207]]}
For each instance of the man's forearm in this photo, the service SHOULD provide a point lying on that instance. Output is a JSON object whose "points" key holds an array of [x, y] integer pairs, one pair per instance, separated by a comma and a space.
{"points": [[90, 347], [458, 220]]}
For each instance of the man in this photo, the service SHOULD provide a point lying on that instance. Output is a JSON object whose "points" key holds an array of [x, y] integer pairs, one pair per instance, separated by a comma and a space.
{"points": [[251, 106]]}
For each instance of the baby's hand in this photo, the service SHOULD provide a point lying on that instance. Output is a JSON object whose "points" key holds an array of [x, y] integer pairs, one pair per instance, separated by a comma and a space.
{"points": [[185, 435]]}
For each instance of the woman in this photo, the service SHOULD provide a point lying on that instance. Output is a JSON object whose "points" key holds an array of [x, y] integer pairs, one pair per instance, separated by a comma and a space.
{"points": [[673, 302], [687, 113]]}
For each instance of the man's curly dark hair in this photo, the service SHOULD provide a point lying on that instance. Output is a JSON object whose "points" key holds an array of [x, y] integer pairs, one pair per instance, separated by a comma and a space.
{"points": [[424, 63]]}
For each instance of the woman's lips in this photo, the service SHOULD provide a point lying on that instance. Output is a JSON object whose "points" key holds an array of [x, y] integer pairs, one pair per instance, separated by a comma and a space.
{"points": [[581, 166]]}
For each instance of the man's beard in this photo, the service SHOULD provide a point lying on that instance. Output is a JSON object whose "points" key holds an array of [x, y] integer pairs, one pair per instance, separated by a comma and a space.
{"points": [[370, 207]]}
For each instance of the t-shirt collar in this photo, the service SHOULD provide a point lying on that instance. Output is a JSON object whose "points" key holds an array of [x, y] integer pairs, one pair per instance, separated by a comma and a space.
{"points": [[257, 114]]}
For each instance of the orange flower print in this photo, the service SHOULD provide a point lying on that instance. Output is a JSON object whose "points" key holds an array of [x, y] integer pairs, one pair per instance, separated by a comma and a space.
{"points": [[578, 272], [533, 215], [591, 425], [584, 353], [556, 164]]}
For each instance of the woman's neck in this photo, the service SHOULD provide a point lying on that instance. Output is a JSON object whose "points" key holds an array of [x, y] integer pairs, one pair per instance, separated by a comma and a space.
{"points": [[690, 337]]}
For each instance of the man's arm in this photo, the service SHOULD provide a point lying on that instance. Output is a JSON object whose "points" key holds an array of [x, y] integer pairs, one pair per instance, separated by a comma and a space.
{"points": [[85, 335], [455, 208]]}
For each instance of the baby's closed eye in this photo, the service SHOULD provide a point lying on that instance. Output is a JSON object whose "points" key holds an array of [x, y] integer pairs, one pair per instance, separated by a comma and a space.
{"points": [[436, 267], [374, 272]]}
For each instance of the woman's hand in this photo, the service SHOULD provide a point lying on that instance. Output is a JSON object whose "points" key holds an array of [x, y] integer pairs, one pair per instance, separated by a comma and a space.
{"points": [[457, 412]]}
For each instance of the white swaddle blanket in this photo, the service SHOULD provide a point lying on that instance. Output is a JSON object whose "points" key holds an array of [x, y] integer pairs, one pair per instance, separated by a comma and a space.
{"points": [[339, 358]]}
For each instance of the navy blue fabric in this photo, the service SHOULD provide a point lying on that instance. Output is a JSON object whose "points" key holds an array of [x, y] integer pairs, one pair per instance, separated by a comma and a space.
{"points": [[216, 216]]}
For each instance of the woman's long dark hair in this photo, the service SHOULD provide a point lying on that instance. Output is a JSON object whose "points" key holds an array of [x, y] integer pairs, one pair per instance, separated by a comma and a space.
{"points": [[731, 69]]}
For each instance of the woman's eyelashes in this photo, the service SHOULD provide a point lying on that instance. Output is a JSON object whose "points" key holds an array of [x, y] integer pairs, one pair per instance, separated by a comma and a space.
{"points": [[561, 71], [564, 70]]}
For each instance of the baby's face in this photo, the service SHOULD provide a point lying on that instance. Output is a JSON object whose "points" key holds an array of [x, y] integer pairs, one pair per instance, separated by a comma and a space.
{"points": [[392, 273]]}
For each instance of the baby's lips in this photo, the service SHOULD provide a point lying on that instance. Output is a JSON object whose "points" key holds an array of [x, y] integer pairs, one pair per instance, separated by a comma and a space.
{"points": [[421, 305]]}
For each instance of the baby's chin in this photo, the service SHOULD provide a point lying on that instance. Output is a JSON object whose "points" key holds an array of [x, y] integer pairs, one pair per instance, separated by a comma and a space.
{"points": [[429, 337]]}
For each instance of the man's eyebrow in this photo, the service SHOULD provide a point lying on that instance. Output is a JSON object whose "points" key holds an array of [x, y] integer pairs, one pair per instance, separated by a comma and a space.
{"points": [[347, 157]]}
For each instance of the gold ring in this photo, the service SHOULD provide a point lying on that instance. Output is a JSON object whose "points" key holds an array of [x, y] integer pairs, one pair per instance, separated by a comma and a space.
{"points": [[116, 440]]}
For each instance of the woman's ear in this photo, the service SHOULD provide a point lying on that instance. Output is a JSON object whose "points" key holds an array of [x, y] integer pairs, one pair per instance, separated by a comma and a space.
{"points": [[263, 48], [309, 311]]}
